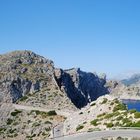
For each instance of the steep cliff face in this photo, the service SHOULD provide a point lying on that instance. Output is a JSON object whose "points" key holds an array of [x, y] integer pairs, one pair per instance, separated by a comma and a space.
{"points": [[81, 87], [22, 72]]}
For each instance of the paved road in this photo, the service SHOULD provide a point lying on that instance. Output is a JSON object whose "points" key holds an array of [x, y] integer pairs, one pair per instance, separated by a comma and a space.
{"points": [[102, 134]]}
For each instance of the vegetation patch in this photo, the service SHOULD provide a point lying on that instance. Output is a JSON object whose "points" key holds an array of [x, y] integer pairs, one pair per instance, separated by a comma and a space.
{"points": [[114, 114], [16, 112], [101, 115], [93, 104], [9, 121], [94, 122], [51, 113], [23, 98], [119, 106], [104, 101], [137, 115], [79, 127], [109, 125], [132, 111]]}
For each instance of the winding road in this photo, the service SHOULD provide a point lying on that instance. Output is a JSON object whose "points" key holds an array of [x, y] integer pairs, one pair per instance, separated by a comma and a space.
{"points": [[102, 134], [96, 135]]}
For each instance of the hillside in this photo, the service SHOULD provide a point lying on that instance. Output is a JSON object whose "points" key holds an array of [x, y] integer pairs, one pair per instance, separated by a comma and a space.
{"points": [[103, 114], [32, 82], [38, 100]]}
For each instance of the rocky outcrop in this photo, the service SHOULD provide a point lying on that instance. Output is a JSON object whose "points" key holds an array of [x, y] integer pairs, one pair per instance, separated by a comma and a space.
{"points": [[119, 90], [81, 87], [24, 72]]}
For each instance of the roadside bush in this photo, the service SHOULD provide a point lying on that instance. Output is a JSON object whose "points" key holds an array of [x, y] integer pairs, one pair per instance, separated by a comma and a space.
{"points": [[136, 124], [109, 125]]}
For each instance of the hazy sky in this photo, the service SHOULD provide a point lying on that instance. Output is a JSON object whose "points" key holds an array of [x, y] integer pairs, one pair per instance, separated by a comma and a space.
{"points": [[95, 35]]}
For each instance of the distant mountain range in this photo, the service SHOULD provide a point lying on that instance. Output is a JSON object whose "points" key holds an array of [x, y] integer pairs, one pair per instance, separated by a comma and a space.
{"points": [[134, 79]]}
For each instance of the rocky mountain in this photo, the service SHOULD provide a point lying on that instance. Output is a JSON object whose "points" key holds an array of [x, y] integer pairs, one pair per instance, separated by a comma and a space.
{"points": [[38, 100], [31, 88], [134, 79], [24, 72], [118, 90], [81, 87]]}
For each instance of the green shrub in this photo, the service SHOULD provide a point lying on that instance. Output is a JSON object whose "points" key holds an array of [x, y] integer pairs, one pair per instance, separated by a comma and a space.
{"points": [[35, 124], [80, 113], [136, 124], [109, 125], [48, 122], [116, 101], [52, 113], [48, 129], [23, 98], [2, 130], [114, 114], [41, 113], [93, 104], [132, 111], [137, 115], [16, 112], [93, 129], [112, 103], [11, 131], [9, 121], [119, 106], [104, 101], [126, 122], [94, 122], [79, 127], [101, 115], [119, 118], [117, 124]]}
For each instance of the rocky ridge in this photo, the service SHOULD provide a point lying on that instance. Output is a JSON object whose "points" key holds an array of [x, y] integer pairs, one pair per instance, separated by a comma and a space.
{"points": [[26, 73], [121, 91]]}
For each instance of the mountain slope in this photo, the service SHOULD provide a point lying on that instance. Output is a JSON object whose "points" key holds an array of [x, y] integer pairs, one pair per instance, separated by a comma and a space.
{"points": [[30, 85], [24, 73]]}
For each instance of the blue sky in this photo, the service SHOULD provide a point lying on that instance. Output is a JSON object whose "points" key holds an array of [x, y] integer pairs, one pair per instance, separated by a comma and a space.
{"points": [[95, 35]]}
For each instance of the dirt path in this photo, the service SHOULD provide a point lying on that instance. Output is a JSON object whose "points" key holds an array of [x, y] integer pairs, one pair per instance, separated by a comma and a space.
{"points": [[29, 108]]}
